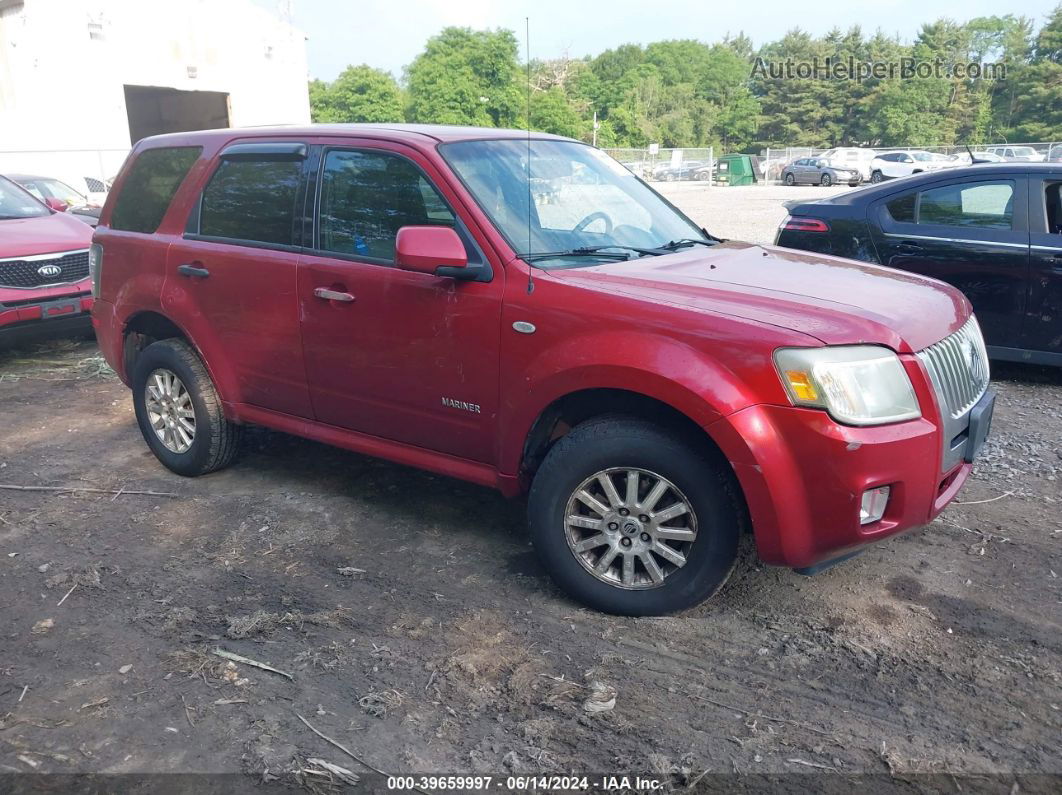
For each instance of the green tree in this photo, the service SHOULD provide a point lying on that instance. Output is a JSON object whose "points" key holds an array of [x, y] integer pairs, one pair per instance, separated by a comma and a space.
{"points": [[1035, 110], [359, 94], [466, 77]]}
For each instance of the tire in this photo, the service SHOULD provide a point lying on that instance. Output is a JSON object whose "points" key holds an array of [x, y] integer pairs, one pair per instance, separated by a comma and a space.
{"points": [[790, 180], [701, 176], [215, 441], [702, 480], [826, 180], [877, 177]]}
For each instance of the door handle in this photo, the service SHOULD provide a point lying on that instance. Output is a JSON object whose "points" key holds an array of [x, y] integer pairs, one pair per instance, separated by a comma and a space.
{"points": [[332, 295], [190, 270]]}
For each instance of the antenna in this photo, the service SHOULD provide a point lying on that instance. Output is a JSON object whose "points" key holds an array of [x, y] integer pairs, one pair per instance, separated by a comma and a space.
{"points": [[530, 198]]}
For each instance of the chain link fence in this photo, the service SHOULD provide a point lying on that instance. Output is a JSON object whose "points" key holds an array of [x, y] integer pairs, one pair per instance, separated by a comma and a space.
{"points": [[668, 165], [671, 165]]}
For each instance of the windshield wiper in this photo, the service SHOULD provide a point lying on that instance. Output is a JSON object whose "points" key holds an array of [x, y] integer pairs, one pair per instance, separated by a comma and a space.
{"points": [[586, 251], [674, 245]]}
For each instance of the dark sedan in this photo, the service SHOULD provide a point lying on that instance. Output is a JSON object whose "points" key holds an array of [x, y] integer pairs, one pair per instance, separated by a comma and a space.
{"points": [[993, 230]]}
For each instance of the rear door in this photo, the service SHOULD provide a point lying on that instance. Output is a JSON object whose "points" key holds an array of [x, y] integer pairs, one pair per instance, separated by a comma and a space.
{"points": [[231, 278], [1043, 321], [972, 233]]}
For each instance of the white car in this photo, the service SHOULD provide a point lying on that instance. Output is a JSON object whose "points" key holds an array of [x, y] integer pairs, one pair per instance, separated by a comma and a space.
{"points": [[1021, 154], [963, 158], [904, 163], [851, 157]]}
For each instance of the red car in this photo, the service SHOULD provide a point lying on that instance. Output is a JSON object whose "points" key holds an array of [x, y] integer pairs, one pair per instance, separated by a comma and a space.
{"points": [[404, 292], [45, 289]]}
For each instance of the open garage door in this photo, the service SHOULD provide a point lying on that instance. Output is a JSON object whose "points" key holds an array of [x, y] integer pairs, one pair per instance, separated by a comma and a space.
{"points": [[153, 110]]}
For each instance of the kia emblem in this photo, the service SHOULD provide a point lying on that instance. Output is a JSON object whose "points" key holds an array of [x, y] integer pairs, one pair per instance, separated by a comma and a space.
{"points": [[50, 270]]}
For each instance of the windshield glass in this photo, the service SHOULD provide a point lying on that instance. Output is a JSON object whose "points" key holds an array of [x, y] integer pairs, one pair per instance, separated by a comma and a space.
{"points": [[1024, 151], [922, 155], [16, 203], [60, 190], [581, 198]]}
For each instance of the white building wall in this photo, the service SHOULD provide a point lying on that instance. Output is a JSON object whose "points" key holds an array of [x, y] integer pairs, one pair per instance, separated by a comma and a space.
{"points": [[64, 65]]}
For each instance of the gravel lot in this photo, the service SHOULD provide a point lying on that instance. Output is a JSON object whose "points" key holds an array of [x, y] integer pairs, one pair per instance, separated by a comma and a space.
{"points": [[747, 212], [419, 632]]}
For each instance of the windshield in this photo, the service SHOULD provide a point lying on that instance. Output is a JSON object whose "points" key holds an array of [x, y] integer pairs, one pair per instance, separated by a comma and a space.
{"points": [[1024, 151], [922, 155], [16, 203], [582, 199], [60, 190]]}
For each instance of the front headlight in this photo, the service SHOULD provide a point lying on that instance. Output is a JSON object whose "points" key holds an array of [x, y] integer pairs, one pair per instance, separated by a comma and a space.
{"points": [[856, 384]]}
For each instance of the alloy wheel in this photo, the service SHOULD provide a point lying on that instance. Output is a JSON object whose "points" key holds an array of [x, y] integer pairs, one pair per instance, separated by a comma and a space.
{"points": [[630, 528], [170, 411]]}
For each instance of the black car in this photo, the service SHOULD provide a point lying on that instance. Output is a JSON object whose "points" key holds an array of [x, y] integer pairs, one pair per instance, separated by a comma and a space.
{"points": [[992, 230]]}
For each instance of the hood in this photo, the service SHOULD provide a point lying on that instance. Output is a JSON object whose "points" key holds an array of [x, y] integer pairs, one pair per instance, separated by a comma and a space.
{"points": [[834, 300], [45, 234]]}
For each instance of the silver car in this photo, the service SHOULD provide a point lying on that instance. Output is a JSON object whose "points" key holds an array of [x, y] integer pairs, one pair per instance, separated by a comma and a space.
{"points": [[816, 171]]}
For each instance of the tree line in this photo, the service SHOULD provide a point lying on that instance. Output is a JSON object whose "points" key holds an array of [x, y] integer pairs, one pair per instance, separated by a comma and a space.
{"points": [[686, 93]]}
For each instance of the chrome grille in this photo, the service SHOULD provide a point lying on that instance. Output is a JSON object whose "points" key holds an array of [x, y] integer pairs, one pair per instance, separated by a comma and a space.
{"points": [[958, 367], [26, 272]]}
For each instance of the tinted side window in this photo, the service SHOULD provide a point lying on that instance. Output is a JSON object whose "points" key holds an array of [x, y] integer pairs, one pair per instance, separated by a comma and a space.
{"points": [[251, 200], [902, 208], [985, 205], [366, 197], [149, 187]]}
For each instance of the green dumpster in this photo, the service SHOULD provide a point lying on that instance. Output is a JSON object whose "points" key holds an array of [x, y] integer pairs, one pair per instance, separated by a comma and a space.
{"points": [[736, 170]]}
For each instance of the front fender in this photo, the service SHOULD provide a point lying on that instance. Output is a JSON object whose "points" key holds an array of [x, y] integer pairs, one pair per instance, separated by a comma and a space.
{"points": [[647, 364]]}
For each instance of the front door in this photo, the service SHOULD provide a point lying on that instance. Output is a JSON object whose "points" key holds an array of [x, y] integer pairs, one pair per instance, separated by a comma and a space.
{"points": [[1043, 321], [409, 357], [971, 233], [231, 278]]}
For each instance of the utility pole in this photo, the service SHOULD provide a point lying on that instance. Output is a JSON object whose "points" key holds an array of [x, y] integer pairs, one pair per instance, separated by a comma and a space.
{"points": [[595, 129]]}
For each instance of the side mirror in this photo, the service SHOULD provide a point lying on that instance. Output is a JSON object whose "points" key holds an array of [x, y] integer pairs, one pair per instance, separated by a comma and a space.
{"points": [[58, 205], [431, 249]]}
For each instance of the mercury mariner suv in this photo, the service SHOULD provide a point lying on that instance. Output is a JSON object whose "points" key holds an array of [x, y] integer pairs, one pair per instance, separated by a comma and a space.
{"points": [[525, 313]]}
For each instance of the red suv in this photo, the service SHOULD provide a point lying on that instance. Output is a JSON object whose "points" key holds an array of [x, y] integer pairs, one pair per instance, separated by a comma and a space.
{"points": [[45, 288], [527, 314]]}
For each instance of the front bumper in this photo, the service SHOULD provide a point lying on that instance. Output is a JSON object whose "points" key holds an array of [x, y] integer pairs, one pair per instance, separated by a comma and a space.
{"points": [[51, 312], [803, 474]]}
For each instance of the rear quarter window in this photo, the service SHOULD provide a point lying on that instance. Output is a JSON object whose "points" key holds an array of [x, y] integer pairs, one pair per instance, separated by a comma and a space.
{"points": [[150, 186]]}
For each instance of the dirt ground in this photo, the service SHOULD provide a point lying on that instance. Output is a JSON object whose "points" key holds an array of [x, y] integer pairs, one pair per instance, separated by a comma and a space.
{"points": [[419, 632]]}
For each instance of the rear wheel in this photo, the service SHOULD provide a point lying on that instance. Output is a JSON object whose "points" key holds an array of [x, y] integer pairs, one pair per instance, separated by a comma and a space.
{"points": [[179, 411], [630, 519]]}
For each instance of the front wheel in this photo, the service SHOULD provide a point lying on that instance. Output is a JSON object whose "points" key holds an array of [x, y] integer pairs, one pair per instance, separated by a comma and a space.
{"points": [[827, 180], [876, 177], [628, 518], [790, 180], [179, 410]]}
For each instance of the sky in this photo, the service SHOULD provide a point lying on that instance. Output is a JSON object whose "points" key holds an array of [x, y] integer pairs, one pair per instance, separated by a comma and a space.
{"points": [[388, 34]]}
